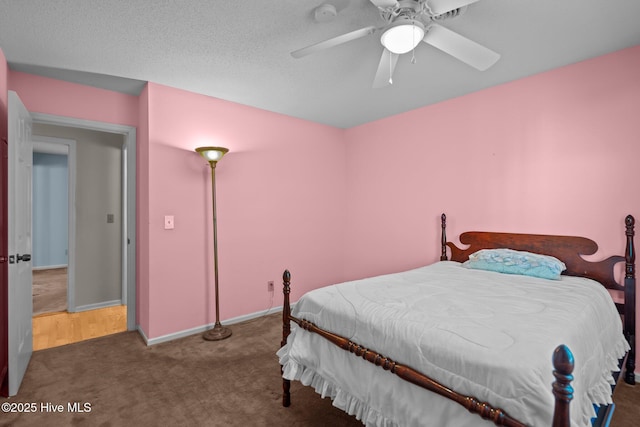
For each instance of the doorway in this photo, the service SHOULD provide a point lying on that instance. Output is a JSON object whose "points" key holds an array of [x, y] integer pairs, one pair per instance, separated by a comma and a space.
{"points": [[95, 254], [125, 137]]}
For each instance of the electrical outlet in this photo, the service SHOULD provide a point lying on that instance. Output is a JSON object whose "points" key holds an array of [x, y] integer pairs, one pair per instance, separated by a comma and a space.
{"points": [[270, 286]]}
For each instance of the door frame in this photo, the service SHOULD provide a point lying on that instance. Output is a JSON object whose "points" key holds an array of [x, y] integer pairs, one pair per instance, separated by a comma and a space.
{"points": [[53, 145], [128, 200]]}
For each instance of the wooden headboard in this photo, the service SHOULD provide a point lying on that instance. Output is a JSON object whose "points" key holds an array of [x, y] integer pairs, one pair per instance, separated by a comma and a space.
{"points": [[568, 249]]}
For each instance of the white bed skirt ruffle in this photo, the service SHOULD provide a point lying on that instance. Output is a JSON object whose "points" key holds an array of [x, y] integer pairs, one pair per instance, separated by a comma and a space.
{"points": [[341, 399]]}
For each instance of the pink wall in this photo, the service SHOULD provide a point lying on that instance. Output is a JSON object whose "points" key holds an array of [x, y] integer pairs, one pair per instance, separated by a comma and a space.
{"points": [[552, 153], [280, 204], [51, 96], [555, 153], [277, 192]]}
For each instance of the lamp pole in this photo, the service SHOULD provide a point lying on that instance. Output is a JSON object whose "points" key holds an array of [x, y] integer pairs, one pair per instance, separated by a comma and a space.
{"points": [[212, 155]]}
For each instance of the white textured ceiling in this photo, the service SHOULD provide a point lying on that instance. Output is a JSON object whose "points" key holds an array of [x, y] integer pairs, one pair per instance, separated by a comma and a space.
{"points": [[239, 50]]}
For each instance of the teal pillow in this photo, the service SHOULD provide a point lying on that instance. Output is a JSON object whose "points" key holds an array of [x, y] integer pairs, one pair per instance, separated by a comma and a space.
{"points": [[510, 261]]}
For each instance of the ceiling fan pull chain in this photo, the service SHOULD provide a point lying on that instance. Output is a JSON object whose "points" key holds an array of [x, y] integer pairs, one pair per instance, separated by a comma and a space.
{"points": [[390, 70], [413, 40]]}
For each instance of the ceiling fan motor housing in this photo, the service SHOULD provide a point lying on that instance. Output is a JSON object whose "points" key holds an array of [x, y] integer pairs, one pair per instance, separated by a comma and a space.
{"points": [[418, 10], [410, 4], [410, 9]]}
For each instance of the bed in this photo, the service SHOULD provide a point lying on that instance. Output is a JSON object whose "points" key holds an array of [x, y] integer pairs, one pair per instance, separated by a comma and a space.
{"points": [[449, 345]]}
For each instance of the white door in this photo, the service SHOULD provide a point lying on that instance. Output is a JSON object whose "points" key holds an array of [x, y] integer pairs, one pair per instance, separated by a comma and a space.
{"points": [[20, 294]]}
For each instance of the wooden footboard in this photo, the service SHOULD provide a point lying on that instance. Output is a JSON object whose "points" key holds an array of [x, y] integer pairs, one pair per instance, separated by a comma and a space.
{"points": [[286, 330], [629, 309]]}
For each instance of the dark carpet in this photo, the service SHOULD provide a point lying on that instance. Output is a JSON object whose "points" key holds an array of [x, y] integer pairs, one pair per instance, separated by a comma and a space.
{"points": [[189, 381], [119, 381]]}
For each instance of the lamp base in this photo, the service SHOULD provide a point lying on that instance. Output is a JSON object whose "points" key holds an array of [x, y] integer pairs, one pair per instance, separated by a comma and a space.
{"points": [[218, 333]]}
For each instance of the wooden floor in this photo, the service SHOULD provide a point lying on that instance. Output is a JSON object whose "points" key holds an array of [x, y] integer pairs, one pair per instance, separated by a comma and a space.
{"points": [[60, 328], [49, 290]]}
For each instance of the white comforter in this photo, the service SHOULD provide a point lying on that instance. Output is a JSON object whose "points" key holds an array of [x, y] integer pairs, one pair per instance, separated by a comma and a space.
{"points": [[484, 334]]}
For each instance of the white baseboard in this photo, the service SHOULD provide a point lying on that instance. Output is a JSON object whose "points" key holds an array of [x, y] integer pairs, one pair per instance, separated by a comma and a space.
{"points": [[98, 305], [142, 334], [49, 267], [201, 329]]}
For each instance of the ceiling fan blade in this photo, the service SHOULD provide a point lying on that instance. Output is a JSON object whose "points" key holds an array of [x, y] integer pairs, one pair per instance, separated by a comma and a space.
{"points": [[387, 64], [384, 3], [344, 38], [460, 47], [439, 7]]}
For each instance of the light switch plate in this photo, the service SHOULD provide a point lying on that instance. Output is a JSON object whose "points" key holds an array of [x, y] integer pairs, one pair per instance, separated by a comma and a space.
{"points": [[168, 222]]}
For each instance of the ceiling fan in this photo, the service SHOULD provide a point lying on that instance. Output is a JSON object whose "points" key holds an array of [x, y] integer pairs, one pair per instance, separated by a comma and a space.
{"points": [[407, 22]]}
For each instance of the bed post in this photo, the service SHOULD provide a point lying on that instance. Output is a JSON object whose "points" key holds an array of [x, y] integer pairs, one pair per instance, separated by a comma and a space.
{"points": [[286, 330], [630, 300], [562, 391], [443, 238]]}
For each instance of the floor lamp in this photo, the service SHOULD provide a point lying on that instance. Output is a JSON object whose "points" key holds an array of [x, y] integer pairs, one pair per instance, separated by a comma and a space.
{"points": [[212, 155]]}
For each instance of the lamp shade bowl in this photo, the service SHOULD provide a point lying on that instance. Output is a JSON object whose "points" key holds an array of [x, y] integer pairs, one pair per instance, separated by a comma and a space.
{"points": [[212, 154]]}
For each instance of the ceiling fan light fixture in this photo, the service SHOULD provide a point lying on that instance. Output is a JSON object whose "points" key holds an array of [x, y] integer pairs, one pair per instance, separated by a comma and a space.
{"points": [[402, 36]]}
